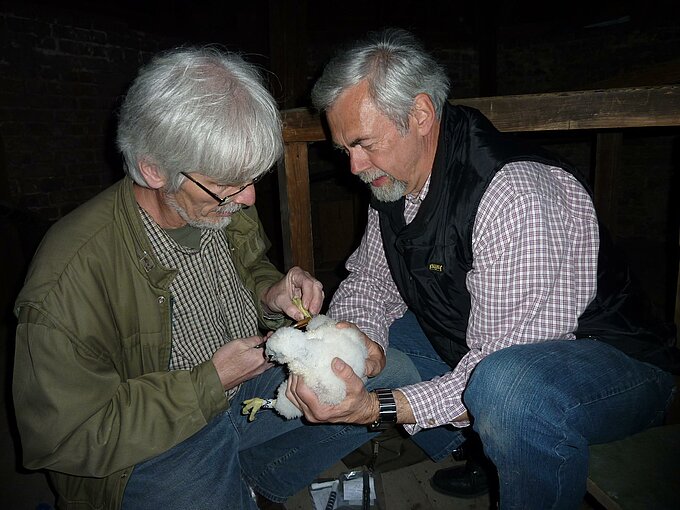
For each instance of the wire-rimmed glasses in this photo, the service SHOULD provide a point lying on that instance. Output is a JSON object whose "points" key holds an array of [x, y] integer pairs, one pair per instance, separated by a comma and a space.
{"points": [[226, 199]]}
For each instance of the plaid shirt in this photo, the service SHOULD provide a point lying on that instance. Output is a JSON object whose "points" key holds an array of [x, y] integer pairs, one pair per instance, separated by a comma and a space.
{"points": [[535, 244], [211, 306]]}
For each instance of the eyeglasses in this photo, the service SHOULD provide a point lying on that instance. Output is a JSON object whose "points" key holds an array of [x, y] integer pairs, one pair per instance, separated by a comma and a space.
{"points": [[217, 198]]}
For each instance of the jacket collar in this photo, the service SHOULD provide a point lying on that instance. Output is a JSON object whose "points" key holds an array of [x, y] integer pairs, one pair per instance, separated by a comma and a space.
{"points": [[127, 212]]}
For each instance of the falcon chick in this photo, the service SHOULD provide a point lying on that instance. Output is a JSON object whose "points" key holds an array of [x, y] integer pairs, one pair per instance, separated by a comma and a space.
{"points": [[309, 354]]}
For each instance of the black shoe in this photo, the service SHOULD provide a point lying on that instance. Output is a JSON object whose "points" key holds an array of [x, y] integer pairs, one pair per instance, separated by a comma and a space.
{"points": [[467, 481]]}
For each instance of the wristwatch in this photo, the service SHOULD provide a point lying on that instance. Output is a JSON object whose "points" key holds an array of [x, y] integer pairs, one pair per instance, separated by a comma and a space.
{"points": [[387, 411]]}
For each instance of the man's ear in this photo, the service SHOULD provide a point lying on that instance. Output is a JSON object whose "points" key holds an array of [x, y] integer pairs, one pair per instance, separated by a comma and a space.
{"points": [[424, 113], [152, 174]]}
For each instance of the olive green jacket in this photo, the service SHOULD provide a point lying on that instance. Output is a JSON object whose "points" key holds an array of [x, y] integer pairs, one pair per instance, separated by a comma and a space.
{"points": [[92, 390]]}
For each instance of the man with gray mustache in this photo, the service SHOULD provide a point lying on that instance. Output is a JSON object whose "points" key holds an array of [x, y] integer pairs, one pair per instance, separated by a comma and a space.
{"points": [[482, 260]]}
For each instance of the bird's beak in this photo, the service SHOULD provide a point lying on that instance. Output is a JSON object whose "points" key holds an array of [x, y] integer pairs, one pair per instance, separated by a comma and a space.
{"points": [[302, 324]]}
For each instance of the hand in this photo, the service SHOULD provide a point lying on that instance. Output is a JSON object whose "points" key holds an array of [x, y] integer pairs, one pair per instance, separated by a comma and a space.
{"points": [[375, 362], [239, 360], [358, 406], [297, 283]]}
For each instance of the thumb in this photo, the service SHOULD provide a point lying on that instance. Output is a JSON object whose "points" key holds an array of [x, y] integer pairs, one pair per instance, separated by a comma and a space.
{"points": [[342, 369]]}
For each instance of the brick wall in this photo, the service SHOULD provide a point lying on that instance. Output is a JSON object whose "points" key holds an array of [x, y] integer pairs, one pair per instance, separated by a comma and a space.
{"points": [[61, 78], [573, 57]]}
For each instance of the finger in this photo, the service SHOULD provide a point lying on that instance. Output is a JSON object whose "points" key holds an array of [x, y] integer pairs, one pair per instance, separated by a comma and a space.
{"points": [[312, 295], [256, 342], [292, 285], [301, 390], [372, 368], [316, 297], [291, 391], [290, 310], [305, 286], [259, 359], [305, 398]]}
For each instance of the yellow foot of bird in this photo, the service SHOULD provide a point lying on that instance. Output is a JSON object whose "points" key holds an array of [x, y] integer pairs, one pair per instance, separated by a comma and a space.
{"points": [[253, 405]]}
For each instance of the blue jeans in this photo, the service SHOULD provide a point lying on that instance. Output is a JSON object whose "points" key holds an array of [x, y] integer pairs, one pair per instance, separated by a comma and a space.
{"points": [[407, 336], [217, 466], [538, 407]]}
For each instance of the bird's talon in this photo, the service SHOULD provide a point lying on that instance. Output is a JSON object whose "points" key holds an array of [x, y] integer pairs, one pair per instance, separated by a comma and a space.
{"points": [[253, 405]]}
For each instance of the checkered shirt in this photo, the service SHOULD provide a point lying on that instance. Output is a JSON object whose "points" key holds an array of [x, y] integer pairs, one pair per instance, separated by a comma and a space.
{"points": [[535, 243], [210, 304]]}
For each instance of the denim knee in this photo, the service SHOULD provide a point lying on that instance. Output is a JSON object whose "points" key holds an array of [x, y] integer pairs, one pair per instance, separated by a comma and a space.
{"points": [[489, 399], [572, 387], [509, 394]]}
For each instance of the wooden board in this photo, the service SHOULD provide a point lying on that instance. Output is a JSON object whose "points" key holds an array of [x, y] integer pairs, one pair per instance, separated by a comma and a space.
{"points": [[585, 109], [641, 472]]}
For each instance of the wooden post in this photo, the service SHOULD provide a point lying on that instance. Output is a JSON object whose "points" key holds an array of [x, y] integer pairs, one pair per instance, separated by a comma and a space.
{"points": [[296, 218]]}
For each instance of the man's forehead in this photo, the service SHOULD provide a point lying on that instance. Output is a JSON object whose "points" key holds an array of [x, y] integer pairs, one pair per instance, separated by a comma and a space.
{"points": [[351, 100], [348, 117]]}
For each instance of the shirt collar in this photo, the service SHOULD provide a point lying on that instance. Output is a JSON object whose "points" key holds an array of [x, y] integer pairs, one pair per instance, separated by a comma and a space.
{"points": [[416, 199]]}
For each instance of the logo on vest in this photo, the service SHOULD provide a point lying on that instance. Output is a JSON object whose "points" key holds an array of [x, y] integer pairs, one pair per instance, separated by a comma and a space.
{"points": [[436, 267]]}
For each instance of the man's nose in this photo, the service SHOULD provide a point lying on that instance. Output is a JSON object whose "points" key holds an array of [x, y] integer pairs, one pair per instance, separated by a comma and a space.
{"points": [[246, 197], [358, 162]]}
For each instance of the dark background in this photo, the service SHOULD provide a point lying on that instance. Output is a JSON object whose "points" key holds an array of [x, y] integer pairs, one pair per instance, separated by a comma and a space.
{"points": [[65, 65]]}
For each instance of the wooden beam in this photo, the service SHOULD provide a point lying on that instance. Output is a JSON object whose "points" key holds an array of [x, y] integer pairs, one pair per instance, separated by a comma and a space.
{"points": [[586, 109], [302, 125]]}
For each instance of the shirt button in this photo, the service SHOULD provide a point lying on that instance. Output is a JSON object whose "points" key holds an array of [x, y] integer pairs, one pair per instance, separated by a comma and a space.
{"points": [[161, 300], [430, 421]]}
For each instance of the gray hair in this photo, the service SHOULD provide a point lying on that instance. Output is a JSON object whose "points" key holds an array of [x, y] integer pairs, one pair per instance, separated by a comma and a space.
{"points": [[396, 67], [200, 110]]}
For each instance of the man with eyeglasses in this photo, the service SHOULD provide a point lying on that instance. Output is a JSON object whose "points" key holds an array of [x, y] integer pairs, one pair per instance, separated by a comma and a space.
{"points": [[141, 320]]}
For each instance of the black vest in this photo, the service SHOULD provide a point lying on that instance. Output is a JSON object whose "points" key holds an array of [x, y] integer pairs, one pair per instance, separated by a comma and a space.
{"points": [[430, 257]]}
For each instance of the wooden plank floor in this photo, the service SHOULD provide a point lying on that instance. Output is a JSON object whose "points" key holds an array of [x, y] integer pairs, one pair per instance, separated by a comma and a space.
{"points": [[409, 489]]}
